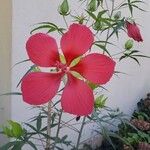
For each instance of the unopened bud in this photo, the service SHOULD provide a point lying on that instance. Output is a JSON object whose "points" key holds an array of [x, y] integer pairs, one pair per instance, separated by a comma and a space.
{"points": [[92, 6], [64, 8], [128, 44]]}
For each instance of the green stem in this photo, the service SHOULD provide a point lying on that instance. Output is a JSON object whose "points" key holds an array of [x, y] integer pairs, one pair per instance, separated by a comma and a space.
{"points": [[80, 133], [110, 16], [48, 142], [65, 21], [58, 128]]}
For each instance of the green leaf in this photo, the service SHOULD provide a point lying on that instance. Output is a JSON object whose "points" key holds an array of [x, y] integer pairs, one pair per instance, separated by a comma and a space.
{"points": [[32, 145], [41, 27], [124, 4], [99, 2], [64, 138], [21, 62], [103, 48], [100, 101], [13, 129], [11, 93], [91, 15], [101, 13], [7, 131], [39, 122], [141, 56], [135, 60], [18, 145], [104, 42], [116, 27], [31, 126], [16, 128], [131, 9], [48, 25], [138, 8], [8, 146], [28, 71]]}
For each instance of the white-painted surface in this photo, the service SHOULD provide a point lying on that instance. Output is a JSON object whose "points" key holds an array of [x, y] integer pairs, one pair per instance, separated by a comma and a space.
{"points": [[125, 91]]}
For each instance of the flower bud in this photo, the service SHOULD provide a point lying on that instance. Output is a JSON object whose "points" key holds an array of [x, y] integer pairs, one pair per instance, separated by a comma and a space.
{"points": [[92, 6], [117, 15], [128, 44], [133, 31], [64, 8]]}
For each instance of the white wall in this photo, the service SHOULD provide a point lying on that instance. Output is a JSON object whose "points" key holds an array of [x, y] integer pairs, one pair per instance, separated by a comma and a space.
{"points": [[125, 91]]}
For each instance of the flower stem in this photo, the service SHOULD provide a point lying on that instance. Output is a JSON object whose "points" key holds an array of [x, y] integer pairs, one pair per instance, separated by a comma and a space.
{"points": [[110, 16], [48, 142], [58, 128], [80, 133], [65, 21]]}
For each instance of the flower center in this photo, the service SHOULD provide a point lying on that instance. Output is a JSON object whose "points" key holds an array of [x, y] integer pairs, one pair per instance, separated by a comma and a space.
{"points": [[62, 67]]}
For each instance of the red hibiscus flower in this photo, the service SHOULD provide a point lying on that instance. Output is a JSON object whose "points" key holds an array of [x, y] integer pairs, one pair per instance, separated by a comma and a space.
{"points": [[77, 97], [133, 31]]}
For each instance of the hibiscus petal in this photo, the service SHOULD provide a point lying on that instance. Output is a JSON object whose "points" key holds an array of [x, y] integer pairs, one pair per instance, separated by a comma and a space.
{"points": [[77, 97], [76, 41], [38, 88], [42, 50], [97, 68]]}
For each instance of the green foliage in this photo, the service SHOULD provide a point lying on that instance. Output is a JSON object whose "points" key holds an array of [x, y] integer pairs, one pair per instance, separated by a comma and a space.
{"points": [[134, 54], [35, 129], [135, 138], [131, 4], [13, 129], [100, 101], [107, 118], [33, 68], [50, 27], [92, 6], [18, 133], [129, 133]]}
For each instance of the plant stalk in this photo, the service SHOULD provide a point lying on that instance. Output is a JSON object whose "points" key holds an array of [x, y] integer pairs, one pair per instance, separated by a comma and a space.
{"points": [[108, 31], [80, 133], [48, 142], [58, 128]]}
